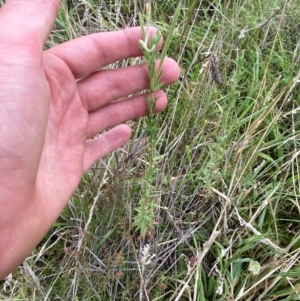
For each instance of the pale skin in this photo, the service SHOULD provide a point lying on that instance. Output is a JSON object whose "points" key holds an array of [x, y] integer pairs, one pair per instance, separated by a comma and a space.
{"points": [[47, 116]]}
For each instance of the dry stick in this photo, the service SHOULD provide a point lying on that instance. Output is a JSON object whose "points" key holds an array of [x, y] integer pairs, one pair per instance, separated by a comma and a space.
{"points": [[265, 241], [206, 246], [292, 261]]}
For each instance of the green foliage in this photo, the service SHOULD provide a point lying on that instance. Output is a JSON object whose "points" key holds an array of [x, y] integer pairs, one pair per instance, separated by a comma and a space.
{"points": [[149, 45]]}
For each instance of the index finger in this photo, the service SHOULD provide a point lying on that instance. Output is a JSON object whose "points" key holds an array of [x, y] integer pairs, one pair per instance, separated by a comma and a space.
{"points": [[89, 53]]}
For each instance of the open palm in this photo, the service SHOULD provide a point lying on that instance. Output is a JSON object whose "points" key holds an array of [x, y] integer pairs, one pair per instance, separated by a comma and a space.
{"points": [[51, 103]]}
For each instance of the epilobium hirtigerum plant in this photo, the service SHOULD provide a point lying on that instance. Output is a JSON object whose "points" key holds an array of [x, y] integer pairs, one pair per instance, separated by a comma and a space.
{"points": [[145, 211]]}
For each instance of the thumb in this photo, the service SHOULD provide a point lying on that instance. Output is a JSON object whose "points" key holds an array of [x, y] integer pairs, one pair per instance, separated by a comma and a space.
{"points": [[27, 21]]}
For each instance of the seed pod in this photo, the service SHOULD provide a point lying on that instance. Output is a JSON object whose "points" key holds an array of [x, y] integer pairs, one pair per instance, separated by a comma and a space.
{"points": [[214, 68]]}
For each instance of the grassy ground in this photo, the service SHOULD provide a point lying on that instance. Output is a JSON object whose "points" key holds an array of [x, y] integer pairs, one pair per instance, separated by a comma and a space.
{"points": [[219, 190]]}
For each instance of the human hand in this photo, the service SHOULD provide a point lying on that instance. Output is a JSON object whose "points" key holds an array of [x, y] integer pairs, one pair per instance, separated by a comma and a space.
{"points": [[51, 103]]}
